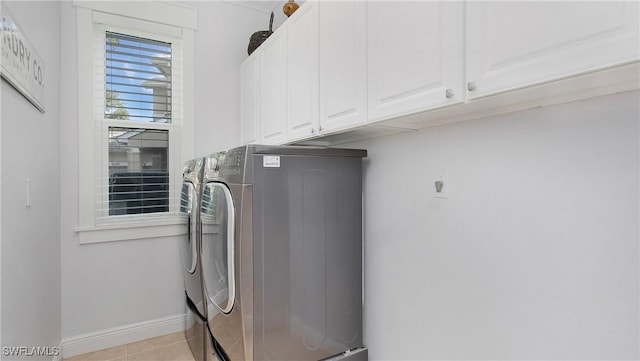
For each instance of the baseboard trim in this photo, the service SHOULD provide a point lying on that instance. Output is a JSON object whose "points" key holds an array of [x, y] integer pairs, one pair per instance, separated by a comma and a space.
{"points": [[116, 336]]}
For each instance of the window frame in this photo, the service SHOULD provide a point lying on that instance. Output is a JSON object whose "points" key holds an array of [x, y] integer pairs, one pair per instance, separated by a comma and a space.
{"points": [[102, 211], [156, 20]]}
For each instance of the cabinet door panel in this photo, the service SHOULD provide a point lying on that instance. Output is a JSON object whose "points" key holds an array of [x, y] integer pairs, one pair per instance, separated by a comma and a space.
{"points": [[302, 72], [273, 91], [250, 101], [414, 54], [343, 64], [515, 44]]}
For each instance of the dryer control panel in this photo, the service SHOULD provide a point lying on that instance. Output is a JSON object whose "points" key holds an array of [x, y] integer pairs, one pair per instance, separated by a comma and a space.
{"points": [[227, 165]]}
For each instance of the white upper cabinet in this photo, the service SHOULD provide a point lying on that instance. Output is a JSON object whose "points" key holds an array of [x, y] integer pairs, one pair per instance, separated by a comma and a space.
{"points": [[414, 56], [273, 90], [516, 44], [338, 65], [302, 72], [250, 101], [343, 64]]}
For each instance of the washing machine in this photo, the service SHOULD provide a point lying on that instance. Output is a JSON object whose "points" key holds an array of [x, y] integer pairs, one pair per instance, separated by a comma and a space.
{"points": [[196, 310], [281, 253]]}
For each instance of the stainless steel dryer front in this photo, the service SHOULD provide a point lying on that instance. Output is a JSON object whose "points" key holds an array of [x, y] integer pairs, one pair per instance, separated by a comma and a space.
{"points": [[282, 253], [195, 330]]}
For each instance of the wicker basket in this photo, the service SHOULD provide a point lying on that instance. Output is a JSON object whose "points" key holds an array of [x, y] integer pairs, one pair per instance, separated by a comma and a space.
{"points": [[259, 37]]}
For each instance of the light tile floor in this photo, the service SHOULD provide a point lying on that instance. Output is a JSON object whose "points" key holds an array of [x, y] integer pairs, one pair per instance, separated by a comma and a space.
{"points": [[171, 347]]}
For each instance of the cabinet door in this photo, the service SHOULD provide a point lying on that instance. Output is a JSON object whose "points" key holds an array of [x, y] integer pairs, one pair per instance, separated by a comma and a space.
{"points": [[249, 101], [515, 44], [343, 64], [273, 91], [415, 56], [302, 72]]}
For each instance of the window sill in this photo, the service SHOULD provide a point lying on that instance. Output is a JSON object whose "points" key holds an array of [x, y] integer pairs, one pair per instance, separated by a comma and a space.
{"points": [[130, 231]]}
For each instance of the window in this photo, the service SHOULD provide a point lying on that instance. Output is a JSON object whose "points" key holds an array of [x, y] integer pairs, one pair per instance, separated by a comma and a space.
{"points": [[138, 171], [138, 78], [132, 86], [139, 114], [138, 89]]}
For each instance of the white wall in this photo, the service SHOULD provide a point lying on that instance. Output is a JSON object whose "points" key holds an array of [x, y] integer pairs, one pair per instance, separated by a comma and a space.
{"points": [[31, 235], [113, 285], [223, 35], [533, 256]]}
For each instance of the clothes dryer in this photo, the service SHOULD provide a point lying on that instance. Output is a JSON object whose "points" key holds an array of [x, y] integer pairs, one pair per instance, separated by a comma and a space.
{"points": [[195, 330], [282, 253]]}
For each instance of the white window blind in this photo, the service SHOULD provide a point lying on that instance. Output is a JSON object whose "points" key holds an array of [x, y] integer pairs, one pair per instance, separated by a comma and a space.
{"points": [[138, 172], [138, 78], [140, 113]]}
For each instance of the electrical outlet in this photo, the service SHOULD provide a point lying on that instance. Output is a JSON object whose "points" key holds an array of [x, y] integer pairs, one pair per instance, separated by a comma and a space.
{"points": [[441, 187]]}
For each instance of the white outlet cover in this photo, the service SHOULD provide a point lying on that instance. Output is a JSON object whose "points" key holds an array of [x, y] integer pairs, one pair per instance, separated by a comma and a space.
{"points": [[444, 192]]}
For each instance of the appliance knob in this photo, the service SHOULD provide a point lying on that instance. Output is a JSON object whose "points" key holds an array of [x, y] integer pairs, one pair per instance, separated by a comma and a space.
{"points": [[449, 93], [471, 86]]}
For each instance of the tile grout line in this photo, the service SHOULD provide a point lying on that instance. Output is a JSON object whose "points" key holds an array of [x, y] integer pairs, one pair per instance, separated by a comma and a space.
{"points": [[126, 353], [166, 347], [173, 343]]}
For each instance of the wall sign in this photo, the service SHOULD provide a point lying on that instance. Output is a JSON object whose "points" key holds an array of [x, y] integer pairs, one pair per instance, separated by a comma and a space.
{"points": [[21, 65]]}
